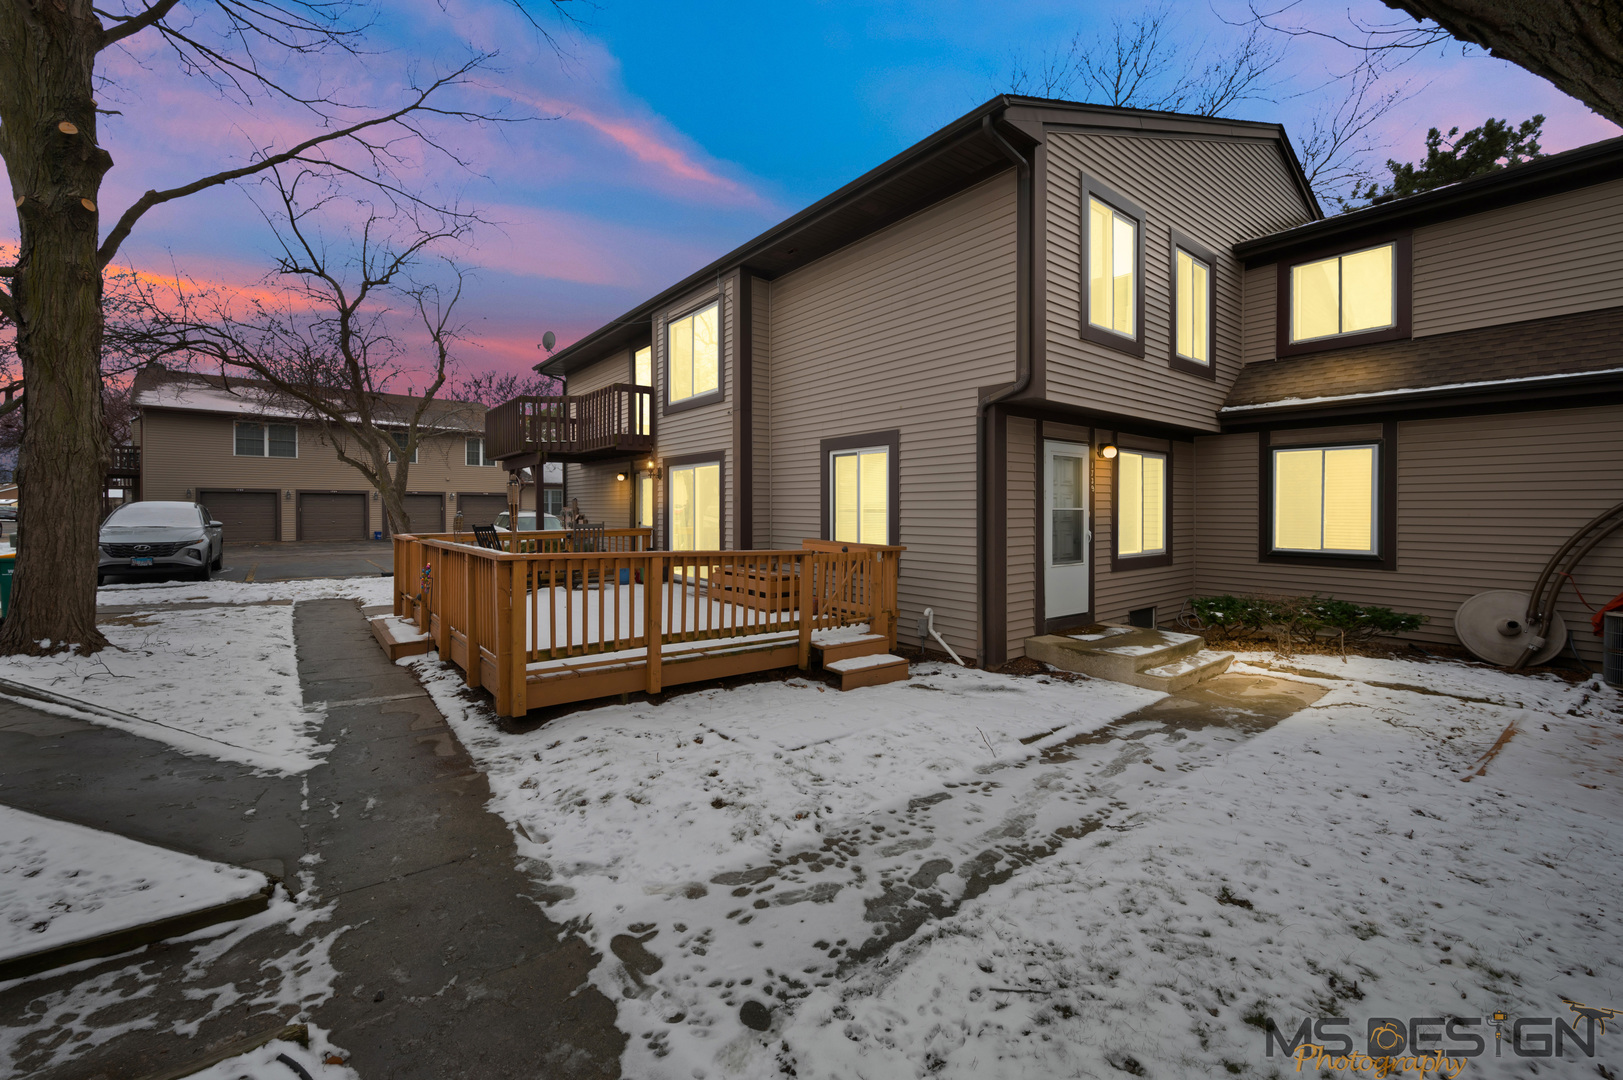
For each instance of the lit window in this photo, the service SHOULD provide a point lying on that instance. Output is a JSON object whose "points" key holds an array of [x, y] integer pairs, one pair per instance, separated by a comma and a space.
{"points": [[861, 496], [645, 502], [1324, 500], [1141, 503], [642, 372], [1112, 268], [694, 354], [1194, 308], [266, 440], [1345, 294], [696, 507]]}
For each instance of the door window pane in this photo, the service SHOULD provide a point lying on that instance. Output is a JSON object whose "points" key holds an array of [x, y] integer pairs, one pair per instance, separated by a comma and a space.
{"points": [[643, 375], [696, 507], [694, 345], [860, 508], [1324, 500], [645, 502], [1112, 268], [1067, 492]]}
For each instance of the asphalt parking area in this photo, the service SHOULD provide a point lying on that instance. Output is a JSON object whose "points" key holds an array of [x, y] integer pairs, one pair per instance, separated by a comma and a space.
{"points": [[298, 560]]}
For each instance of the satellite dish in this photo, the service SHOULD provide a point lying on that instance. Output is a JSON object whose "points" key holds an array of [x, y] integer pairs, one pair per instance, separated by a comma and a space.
{"points": [[1493, 625], [548, 340]]}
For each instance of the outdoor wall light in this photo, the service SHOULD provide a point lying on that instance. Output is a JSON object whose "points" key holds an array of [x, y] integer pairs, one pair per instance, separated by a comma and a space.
{"points": [[287, 496], [188, 493], [620, 476], [1107, 451]]}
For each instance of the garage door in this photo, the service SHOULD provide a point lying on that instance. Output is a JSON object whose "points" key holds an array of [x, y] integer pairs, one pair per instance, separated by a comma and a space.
{"points": [[248, 516], [427, 513], [480, 509], [332, 516]]}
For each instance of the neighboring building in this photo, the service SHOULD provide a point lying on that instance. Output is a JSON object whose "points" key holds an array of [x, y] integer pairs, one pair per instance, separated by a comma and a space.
{"points": [[1088, 362], [268, 476]]}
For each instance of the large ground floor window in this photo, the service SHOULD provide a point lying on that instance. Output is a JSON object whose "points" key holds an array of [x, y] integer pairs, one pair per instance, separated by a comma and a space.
{"points": [[695, 506], [1325, 499], [1141, 504], [860, 481]]}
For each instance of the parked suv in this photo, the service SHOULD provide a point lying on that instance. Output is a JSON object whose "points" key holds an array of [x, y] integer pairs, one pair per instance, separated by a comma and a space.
{"points": [[148, 539], [526, 521]]}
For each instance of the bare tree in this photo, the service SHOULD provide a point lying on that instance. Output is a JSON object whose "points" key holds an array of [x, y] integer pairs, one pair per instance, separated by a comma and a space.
{"points": [[327, 350], [1343, 135], [1141, 63], [1576, 45], [494, 387], [51, 68]]}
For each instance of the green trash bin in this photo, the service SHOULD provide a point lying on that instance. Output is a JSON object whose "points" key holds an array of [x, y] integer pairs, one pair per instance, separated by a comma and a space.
{"points": [[8, 563]]}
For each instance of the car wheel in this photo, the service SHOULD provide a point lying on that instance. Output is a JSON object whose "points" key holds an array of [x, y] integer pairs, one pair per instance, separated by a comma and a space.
{"points": [[205, 573], [219, 560]]}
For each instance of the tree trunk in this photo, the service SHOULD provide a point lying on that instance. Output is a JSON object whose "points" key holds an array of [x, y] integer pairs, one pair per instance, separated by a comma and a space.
{"points": [[48, 139]]}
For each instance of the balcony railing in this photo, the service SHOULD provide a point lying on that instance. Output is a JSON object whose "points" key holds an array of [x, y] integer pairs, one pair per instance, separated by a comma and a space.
{"points": [[609, 422], [126, 461]]}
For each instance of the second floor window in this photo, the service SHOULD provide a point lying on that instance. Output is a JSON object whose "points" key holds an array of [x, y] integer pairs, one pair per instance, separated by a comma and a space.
{"points": [[1112, 269], [1193, 304], [693, 354], [1344, 294], [267, 440], [476, 453], [400, 440]]}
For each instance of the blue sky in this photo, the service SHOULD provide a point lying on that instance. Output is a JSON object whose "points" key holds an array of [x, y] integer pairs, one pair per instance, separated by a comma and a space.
{"points": [[679, 130]]}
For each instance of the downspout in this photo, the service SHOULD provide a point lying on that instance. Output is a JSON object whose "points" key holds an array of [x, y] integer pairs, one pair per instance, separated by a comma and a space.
{"points": [[1024, 210]]}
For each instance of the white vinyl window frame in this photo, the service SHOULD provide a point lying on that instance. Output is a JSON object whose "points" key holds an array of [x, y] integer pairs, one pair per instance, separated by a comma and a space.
{"points": [[1143, 499], [474, 453], [399, 440], [1338, 515], [867, 468], [1113, 239], [687, 527], [1192, 336], [1334, 267], [266, 445]]}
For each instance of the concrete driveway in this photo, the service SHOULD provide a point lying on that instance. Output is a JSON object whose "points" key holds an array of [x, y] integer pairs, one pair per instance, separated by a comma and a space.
{"points": [[302, 559]]}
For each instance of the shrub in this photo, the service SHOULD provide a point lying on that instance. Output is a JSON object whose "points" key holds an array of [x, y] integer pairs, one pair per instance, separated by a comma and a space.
{"points": [[1300, 618]]}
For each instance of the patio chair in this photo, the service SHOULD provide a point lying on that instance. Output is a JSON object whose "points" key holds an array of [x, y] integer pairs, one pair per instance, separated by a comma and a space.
{"points": [[486, 536]]}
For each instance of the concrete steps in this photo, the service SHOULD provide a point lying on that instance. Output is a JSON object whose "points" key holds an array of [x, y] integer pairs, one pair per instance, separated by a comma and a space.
{"points": [[873, 669], [1141, 656]]}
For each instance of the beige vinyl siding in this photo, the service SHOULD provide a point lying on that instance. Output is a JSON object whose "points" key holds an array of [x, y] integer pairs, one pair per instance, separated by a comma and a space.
{"points": [[1551, 256], [1020, 526], [601, 497], [1260, 331], [1116, 592], [1215, 191], [761, 344], [195, 451], [707, 429], [897, 331], [1483, 502]]}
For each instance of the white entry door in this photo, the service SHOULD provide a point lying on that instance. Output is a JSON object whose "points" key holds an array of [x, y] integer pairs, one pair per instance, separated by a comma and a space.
{"points": [[1067, 532]]}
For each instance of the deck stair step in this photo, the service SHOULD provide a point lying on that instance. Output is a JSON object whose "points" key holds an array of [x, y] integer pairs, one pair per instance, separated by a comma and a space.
{"points": [[872, 669], [842, 644], [399, 637], [1138, 655]]}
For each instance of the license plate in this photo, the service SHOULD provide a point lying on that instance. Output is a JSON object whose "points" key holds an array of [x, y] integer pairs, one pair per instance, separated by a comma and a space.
{"points": [[143, 560]]}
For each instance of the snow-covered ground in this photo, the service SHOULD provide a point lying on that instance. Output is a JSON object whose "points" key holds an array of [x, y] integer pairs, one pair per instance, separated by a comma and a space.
{"points": [[370, 590], [951, 877], [265, 1062], [220, 681], [61, 883]]}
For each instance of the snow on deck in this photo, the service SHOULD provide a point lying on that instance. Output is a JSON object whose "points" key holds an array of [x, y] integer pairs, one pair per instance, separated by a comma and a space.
{"points": [[62, 883]]}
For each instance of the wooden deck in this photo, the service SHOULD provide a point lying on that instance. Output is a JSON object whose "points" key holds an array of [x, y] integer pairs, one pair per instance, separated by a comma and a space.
{"points": [[537, 625]]}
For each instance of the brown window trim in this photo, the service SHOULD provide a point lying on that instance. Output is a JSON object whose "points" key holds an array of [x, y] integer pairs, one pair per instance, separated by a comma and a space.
{"points": [[1402, 288], [717, 457], [892, 441], [1133, 346], [1194, 247], [710, 397], [1139, 562], [1386, 529]]}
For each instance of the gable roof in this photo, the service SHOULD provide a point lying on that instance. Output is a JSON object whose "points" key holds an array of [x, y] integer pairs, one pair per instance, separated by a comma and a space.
{"points": [[157, 387], [958, 156], [1583, 166], [1563, 354]]}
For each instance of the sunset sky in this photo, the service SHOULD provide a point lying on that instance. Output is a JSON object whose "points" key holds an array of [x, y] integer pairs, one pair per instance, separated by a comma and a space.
{"points": [[676, 131]]}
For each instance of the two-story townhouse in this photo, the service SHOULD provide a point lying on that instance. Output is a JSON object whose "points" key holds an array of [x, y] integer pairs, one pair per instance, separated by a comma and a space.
{"points": [[268, 475], [1087, 362]]}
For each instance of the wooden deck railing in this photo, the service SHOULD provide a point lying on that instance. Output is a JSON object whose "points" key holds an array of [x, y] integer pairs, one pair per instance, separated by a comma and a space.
{"points": [[543, 627], [610, 420]]}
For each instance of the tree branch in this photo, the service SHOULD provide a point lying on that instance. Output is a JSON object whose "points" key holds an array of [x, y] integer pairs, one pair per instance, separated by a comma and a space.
{"points": [[130, 25]]}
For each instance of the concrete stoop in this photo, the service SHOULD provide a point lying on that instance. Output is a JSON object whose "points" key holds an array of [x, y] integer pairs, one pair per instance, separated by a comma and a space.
{"points": [[1154, 659]]}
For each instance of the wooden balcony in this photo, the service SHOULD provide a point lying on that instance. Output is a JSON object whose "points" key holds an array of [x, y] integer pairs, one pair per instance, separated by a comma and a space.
{"points": [[614, 421], [539, 626]]}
